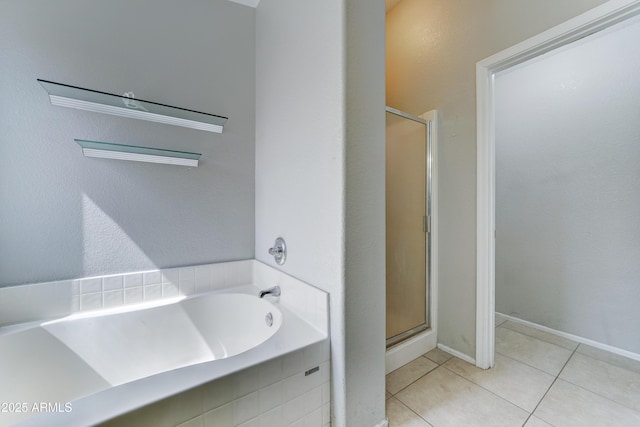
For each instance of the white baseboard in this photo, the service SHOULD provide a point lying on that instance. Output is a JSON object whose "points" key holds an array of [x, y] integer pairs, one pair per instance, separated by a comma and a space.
{"points": [[457, 354], [403, 353], [582, 340]]}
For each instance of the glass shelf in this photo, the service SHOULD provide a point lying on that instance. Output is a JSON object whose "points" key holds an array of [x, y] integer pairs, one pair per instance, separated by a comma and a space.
{"points": [[119, 105], [106, 150]]}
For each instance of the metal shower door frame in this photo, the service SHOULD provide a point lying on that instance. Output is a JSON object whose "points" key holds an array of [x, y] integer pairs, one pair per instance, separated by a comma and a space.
{"points": [[427, 228]]}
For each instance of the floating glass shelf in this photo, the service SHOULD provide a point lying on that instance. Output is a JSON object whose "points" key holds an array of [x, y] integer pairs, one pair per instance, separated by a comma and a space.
{"points": [[124, 106], [106, 150]]}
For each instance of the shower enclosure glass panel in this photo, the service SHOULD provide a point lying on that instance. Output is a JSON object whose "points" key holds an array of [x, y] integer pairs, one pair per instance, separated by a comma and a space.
{"points": [[407, 222]]}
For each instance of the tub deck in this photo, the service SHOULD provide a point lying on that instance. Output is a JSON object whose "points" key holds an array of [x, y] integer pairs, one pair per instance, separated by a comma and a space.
{"points": [[93, 373]]}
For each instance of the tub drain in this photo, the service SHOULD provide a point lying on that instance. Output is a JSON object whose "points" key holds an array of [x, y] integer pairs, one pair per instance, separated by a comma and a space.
{"points": [[269, 319]]}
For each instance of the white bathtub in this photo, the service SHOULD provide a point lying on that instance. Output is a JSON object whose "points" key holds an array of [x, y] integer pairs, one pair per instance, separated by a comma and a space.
{"points": [[93, 366], [128, 344]]}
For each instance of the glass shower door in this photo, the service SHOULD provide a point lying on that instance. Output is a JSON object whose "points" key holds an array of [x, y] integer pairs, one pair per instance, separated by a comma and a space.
{"points": [[406, 225]]}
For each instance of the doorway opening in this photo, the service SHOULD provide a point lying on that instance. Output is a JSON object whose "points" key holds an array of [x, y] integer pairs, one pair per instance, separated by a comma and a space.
{"points": [[596, 20]]}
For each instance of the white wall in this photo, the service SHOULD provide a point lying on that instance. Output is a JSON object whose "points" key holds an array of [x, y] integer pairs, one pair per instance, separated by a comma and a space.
{"points": [[315, 110], [299, 136], [299, 152], [432, 49], [568, 189], [63, 216]]}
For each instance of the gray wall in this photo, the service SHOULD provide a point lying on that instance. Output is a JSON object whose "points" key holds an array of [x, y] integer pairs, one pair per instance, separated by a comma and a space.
{"points": [[568, 189], [432, 49], [364, 206], [63, 215]]}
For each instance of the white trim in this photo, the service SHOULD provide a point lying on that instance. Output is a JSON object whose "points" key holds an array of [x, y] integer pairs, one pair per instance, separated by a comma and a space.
{"points": [[409, 350], [457, 354], [597, 19], [577, 338], [406, 115], [485, 221], [432, 117]]}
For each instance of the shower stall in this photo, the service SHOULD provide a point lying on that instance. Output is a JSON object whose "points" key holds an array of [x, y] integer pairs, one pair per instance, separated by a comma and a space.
{"points": [[409, 185]]}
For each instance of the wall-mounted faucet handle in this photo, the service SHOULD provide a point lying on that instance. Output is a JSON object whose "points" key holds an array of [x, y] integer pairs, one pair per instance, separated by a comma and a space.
{"points": [[279, 251], [275, 292], [275, 251]]}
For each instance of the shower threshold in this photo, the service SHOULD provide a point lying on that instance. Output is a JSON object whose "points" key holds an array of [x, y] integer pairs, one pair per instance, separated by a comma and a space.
{"points": [[406, 335]]}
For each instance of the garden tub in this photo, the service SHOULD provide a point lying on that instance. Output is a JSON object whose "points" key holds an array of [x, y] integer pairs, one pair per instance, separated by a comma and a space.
{"points": [[89, 367]]}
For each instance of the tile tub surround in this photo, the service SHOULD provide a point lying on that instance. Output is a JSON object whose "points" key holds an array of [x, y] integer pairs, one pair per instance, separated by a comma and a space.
{"points": [[276, 393], [49, 300], [297, 333]]}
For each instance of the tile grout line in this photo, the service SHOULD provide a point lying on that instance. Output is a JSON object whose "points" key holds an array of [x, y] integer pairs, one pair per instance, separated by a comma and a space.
{"points": [[472, 382], [440, 364], [393, 396], [608, 363], [487, 390], [539, 339], [596, 393], [556, 377], [543, 341], [410, 409], [426, 373], [531, 366], [573, 352], [549, 389], [601, 396]]}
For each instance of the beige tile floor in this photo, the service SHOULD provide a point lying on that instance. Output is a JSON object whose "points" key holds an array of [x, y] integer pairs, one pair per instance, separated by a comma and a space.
{"points": [[539, 380]]}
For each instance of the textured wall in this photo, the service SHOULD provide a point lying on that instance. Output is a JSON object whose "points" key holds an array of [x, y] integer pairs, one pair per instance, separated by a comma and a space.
{"points": [[315, 140], [299, 143], [432, 49], [568, 189], [64, 216], [364, 228]]}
